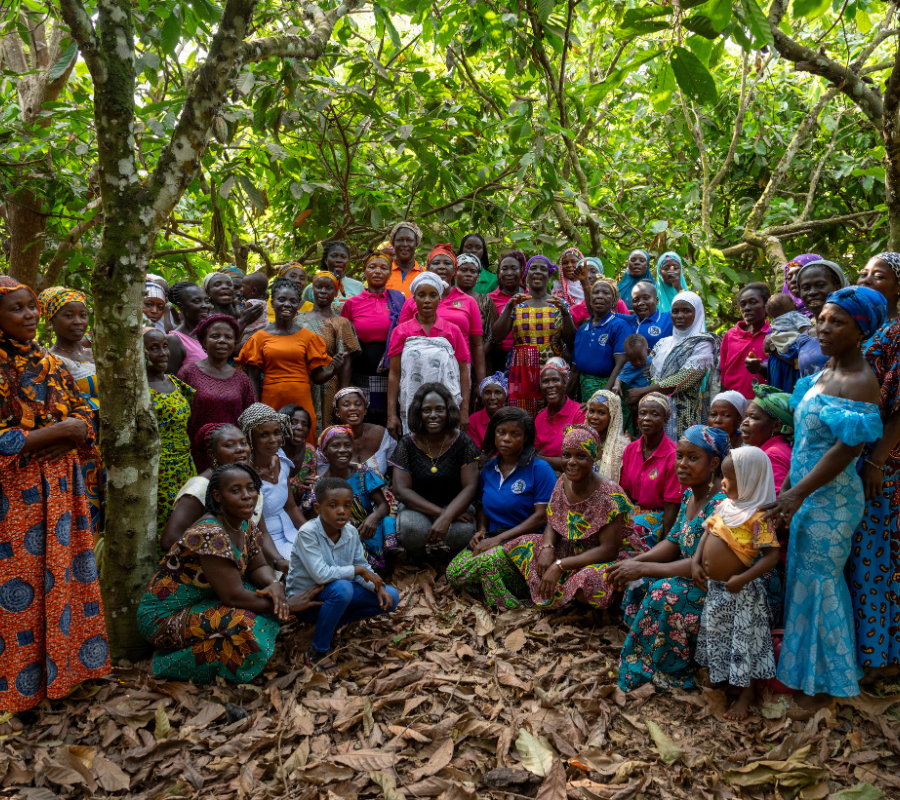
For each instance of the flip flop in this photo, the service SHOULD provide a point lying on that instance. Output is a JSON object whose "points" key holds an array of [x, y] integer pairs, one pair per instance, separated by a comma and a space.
{"points": [[4, 718]]}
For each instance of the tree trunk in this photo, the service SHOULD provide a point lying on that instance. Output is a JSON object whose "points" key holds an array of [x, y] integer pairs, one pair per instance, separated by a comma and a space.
{"points": [[890, 133], [26, 226]]}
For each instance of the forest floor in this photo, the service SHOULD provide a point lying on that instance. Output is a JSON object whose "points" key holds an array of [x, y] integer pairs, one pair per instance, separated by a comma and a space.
{"points": [[445, 700]]}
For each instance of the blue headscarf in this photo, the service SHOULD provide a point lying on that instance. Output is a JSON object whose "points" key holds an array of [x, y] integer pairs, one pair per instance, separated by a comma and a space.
{"points": [[713, 440], [867, 307], [628, 282], [497, 379], [665, 292]]}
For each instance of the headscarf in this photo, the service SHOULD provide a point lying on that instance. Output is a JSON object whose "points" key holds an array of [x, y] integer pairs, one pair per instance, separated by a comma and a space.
{"points": [[867, 307], [288, 267], [664, 347], [327, 435], [207, 322], [736, 399], [324, 273], [497, 379], [411, 226], [714, 441], [344, 392], [664, 292], [833, 268], [54, 298], [799, 261], [206, 279], [485, 257], [627, 283], [259, 413], [755, 486], [570, 291], [559, 364], [384, 250], [893, 261], [153, 289], [777, 405], [657, 399], [203, 437], [445, 249], [519, 256], [584, 437], [231, 269], [430, 279], [551, 267], [468, 258], [610, 462], [612, 285]]}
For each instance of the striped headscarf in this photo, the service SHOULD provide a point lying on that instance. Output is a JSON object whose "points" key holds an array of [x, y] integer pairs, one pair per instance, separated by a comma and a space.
{"points": [[893, 261], [384, 250], [154, 290], [53, 299], [288, 267], [776, 405], [327, 435], [348, 390]]}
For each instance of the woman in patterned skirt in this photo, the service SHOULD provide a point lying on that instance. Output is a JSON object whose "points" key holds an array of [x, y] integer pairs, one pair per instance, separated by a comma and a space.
{"points": [[51, 614]]}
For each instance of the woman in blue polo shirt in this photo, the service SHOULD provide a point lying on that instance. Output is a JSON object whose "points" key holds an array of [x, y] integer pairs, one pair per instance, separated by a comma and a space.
{"points": [[600, 342], [514, 489]]}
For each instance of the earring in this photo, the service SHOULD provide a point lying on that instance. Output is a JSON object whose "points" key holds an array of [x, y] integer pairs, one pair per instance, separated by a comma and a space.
{"points": [[214, 464]]}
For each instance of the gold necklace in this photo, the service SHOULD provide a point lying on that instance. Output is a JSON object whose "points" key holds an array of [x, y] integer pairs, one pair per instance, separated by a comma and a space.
{"points": [[433, 459]]}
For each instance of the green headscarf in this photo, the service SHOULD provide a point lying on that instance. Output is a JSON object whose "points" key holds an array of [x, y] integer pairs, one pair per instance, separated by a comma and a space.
{"points": [[777, 405], [665, 292]]}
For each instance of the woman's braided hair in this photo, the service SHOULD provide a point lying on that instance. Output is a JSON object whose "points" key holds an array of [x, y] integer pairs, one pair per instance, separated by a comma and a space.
{"points": [[215, 481]]}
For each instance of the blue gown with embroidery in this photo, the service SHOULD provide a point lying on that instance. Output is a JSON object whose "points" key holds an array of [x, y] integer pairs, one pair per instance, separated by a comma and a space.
{"points": [[819, 649]]}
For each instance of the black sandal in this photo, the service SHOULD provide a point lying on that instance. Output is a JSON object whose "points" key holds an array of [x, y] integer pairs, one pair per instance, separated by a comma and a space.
{"points": [[320, 662]]}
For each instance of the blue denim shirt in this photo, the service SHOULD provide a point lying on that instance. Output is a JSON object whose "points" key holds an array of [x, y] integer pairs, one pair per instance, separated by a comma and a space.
{"points": [[315, 559]]}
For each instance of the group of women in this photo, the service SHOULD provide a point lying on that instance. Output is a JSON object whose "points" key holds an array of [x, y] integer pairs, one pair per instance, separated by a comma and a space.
{"points": [[560, 435]]}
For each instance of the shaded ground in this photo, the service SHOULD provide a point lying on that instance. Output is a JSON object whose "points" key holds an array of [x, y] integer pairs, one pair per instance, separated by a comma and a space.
{"points": [[445, 700]]}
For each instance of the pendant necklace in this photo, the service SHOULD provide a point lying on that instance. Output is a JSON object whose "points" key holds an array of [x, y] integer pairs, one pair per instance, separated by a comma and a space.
{"points": [[433, 459]]}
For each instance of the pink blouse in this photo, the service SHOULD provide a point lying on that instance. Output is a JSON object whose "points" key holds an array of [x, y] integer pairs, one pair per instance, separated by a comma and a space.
{"points": [[500, 299], [369, 314], [456, 307], [778, 449], [478, 425], [549, 433], [441, 327], [653, 482]]}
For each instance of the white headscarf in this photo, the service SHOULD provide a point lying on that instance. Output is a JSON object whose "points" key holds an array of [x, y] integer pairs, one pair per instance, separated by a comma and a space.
{"points": [[664, 347], [429, 278], [755, 484], [736, 399], [610, 462]]}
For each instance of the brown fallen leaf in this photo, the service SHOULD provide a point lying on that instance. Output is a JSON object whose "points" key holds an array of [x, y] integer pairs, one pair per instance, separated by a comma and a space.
{"points": [[439, 759], [483, 622], [110, 775], [366, 760], [554, 785], [536, 754], [515, 641], [321, 773], [388, 785]]}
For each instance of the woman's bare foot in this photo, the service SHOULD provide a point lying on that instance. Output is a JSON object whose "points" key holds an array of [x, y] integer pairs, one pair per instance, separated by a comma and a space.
{"points": [[10, 725], [740, 710], [814, 703], [875, 674]]}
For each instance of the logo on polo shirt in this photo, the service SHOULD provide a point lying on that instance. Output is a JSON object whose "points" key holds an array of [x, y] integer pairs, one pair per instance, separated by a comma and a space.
{"points": [[457, 304], [603, 339], [654, 331], [653, 474], [518, 487]]}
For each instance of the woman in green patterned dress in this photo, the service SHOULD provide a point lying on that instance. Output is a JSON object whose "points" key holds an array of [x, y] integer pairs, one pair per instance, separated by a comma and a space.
{"points": [[214, 607]]}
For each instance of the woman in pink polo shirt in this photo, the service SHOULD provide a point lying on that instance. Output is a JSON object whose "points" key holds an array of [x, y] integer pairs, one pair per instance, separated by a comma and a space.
{"points": [[559, 414], [426, 349], [509, 284], [745, 340], [648, 471], [492, 391]]}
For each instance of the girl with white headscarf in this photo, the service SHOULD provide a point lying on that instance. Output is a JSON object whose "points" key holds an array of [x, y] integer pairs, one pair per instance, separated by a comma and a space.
{"points": [[603, 413], [685, 366], [737, 550]]}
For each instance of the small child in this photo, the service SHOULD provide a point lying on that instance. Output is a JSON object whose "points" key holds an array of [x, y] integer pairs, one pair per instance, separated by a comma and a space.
{"points": [[636, 373], [735, 640], [254, 291], [328, 551], [780, 345]]}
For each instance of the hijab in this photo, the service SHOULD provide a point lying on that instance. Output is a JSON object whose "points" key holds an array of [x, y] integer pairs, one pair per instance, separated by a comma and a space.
{"points": [[664, 292], [664, 347], [755, 485], [609, 464], [867, 307], [628, 282], [736, 399], [570, 291]]}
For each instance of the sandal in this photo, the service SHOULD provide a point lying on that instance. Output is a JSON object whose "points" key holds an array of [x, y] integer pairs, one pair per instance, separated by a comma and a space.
{"points": [[320, 662], [6, 719]]}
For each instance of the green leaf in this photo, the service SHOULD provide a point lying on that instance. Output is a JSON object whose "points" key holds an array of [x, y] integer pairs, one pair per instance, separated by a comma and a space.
{"points": [[170, 34], [810, 9], [702, 25], [599, 90], [545, 9], [719, 13], [758, 22], [640, 29], [392, 31], [658, 226], [63, 64], [206, 10], [252, 192], [661, 96], [862, 791], [694, 79], [669, 752], [633, 15]]}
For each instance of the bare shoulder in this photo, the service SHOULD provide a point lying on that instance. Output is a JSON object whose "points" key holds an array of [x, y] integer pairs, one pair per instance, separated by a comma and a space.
{"points": [[861, 384]]}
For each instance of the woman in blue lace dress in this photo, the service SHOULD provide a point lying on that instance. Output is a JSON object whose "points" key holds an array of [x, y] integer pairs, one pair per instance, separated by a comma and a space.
{"points": [[835, 413]]}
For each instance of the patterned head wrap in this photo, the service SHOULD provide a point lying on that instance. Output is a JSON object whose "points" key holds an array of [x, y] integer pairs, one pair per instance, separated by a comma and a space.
{"points": [[714, 441], [154, 290], [497, 379], [231, 269], [559, 365], [612, 285], [777, 405], [445, 249], [551, 267], [735, 399], [657, 399], [798, 261], [207, 322], [518, 255], [584, 437], [610, 462], [204, 284], [836, 272], [429, 279], [344, 392], [9, 285], [288, 267], [324, 273], [327, 435], [409, 225], [54, 298], [259, 413], [384, 250], [468, 258], [579, 256], [893, 261], [867, 307]]}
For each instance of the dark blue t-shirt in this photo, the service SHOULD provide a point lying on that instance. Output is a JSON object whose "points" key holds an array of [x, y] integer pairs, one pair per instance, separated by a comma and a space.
{"points": [[657, 326], [596, 344], [509, 502]]}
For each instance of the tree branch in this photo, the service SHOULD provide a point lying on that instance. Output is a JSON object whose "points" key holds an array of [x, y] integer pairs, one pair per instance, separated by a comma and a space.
{"points": [[817, 172], [179, 251], [54, 267]]}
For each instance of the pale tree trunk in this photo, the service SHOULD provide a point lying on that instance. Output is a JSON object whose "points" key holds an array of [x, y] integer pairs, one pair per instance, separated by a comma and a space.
{"points": [[890, 134]]}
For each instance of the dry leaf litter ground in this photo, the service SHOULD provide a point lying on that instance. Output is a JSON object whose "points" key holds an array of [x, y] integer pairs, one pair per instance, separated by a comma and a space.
{"points": [[445, 700]]}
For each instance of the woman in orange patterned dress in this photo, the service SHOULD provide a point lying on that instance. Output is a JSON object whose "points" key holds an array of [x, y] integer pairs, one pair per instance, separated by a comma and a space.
{"points": [[52, 630]]}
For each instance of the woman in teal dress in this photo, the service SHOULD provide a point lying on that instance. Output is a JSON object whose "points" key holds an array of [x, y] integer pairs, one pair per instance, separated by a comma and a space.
{"points": [[198, 636], [835, 412]]}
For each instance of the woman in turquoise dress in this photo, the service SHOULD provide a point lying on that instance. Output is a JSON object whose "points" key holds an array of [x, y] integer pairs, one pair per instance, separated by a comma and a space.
{"points": [[835, 413]]}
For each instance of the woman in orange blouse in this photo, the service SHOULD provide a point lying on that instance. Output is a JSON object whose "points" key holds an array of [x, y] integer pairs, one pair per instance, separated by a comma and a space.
{"points": [[283, 357]]}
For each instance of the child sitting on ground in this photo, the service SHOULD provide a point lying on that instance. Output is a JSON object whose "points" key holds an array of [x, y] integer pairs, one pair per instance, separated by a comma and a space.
{"points": [[328, 552], [786, 325], [735, 640]]}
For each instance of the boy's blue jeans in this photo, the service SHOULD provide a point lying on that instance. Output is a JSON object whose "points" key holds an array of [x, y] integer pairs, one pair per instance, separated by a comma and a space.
{"points": [[343, 602]]}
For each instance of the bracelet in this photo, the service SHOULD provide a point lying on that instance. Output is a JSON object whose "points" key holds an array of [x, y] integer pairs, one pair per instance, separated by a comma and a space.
{"points": [[873, 464], [544, 547]]}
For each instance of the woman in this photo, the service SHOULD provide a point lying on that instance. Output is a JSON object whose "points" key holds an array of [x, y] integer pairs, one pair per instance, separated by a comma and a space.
{"points": [[219, 289], [509, 277], [790, 279], [295, 272], [669, 279], [370, 514], [513, 490], [474, 244], [589, 529], [171, 400], [665, 623], [436, 479], [882, 273], [213, 607], [816, 280], [426, 349], [769, 425], [374, 313], [335, 258], [726, 412], [221, 393], [266, 430], [637, 269], [603, 414], [468, 268], [154, 307], [372, 444], [600, 342], [492, 392], [569, 287], [52, 627], [835, 413], [339, 338], [194, 306], [742, 345], [455, 307], [284, 357], [685, 366], [541, 325], [66, 311], [300, 453], [560, 413], [648, 471], [405, 238]]}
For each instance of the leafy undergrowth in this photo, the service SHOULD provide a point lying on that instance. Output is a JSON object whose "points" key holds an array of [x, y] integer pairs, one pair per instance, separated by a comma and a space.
{"points": [[444, 700]]}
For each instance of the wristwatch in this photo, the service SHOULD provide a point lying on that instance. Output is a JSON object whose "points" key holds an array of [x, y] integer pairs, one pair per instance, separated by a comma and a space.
{"points": [[558, 563]]}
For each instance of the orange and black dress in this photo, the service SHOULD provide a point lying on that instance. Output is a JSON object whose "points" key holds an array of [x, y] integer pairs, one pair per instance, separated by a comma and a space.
{"points": [[52, 630]]}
